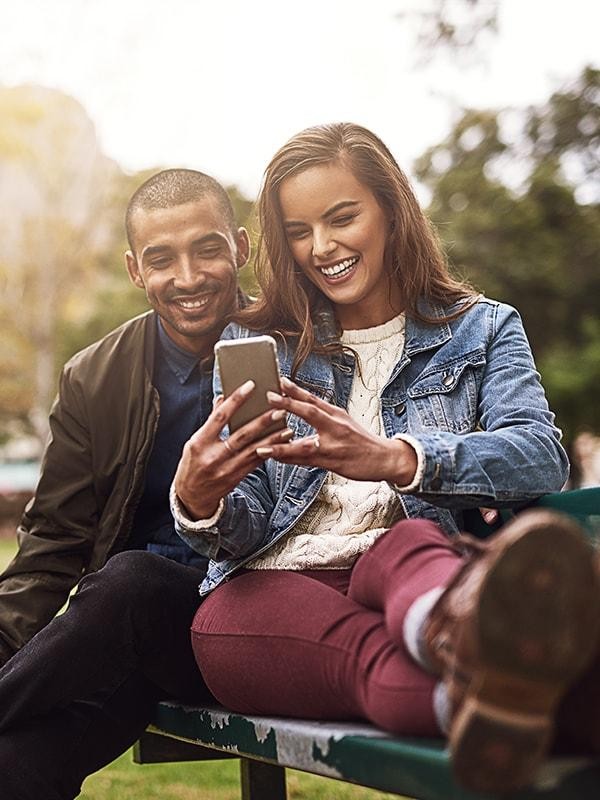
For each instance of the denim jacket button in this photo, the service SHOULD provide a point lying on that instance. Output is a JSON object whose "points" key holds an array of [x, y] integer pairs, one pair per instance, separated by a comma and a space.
{"points": [[399, 409], [448, 380]]}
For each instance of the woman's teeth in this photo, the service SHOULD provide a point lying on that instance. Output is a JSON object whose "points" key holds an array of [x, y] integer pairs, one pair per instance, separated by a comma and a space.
{"points": [[337, 270]]}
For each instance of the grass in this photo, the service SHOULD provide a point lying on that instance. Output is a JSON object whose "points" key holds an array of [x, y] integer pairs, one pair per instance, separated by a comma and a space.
{"points": [[211, 780], [8, 547]]}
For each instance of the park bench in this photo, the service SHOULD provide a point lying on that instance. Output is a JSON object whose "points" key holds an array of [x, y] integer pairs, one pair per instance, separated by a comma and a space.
{"points": [[358, 753]]}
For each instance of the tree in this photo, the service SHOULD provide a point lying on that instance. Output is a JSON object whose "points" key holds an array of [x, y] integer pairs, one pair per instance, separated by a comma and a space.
{"points": [[53, 184], [511, 211], [458, 28]]}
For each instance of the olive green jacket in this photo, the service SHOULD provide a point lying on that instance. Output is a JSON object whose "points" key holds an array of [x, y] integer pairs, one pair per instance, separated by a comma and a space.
{"points": [[102, 427]]}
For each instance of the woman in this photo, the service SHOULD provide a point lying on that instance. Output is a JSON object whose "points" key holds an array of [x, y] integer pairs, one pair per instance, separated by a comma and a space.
{"points": [[412, 399]]}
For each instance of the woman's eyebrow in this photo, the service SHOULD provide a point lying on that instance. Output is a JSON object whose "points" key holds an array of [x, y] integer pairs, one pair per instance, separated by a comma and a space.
{"points": [[338, 206], [291, 223]]}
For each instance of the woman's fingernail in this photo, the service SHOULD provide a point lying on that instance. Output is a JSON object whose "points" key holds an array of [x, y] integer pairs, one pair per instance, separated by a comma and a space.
{"points": [[286, 435], [274, 397], [490, 516], [263, 452], [278, 415], [286, 382], [247, 387]]}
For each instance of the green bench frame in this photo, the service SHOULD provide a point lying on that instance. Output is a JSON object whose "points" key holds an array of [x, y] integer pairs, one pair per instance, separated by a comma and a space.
{"points": [[357, 753]]}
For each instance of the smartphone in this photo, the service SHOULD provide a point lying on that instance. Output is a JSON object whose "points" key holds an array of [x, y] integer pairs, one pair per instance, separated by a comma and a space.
{"points": [[240, 360]]}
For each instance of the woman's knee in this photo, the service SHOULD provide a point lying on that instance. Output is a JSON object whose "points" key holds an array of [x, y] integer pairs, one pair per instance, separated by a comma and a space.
{"points": [[410, 533]]}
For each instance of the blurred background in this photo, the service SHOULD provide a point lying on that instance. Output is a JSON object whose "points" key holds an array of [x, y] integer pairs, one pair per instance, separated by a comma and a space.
{"points": [[491, 106]]}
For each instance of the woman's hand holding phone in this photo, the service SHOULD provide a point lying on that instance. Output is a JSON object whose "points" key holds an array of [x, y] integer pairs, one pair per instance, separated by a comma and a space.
{"points": [[341, 445], [210, 467]]}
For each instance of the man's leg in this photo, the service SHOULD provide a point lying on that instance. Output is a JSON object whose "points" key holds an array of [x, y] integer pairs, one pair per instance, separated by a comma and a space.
{"points": [[83, 689], [132, 615], [49, 757]]}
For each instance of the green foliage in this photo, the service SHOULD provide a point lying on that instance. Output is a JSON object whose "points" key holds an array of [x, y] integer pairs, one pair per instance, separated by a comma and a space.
{"points": [[529, 240], [244, 214], [114, 299], [572, 377]]}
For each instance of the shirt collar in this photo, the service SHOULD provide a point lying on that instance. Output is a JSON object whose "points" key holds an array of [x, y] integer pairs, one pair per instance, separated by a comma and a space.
{"points": [[181, 362]]}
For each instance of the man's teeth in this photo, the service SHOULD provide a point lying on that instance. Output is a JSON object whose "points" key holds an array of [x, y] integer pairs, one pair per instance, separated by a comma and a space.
{"points": [[202, 301], [339, 269]]}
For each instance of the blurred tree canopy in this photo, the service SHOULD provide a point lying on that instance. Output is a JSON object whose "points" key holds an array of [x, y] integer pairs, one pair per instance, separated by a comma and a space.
{"points": [[53, 191], [515, 196], [459, 28]]}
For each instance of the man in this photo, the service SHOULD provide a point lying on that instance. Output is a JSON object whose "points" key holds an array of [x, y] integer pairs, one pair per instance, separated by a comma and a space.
{"points": [[126, 406]]}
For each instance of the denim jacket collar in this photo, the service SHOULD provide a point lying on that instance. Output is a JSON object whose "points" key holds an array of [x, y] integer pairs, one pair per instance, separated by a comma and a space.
{"points": [[420, 336]]}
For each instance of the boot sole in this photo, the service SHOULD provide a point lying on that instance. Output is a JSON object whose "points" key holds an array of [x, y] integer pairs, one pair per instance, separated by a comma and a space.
{"points": [[537, 630]]}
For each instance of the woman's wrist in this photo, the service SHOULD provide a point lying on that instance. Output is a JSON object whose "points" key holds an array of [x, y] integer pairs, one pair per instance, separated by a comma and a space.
{"points": [[200, 517], [404, 463]]}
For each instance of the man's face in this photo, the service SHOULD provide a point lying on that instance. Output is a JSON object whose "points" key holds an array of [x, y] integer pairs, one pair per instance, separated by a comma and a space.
{"points": [[186, 259]]}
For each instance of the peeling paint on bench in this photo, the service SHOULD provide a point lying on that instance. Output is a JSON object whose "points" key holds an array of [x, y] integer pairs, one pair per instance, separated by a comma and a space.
{"points": [[358, 753], [296, 743]]}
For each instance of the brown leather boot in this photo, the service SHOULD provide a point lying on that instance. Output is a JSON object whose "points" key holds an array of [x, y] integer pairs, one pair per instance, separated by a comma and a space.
{"points": [[578, 719], [511, 633]]}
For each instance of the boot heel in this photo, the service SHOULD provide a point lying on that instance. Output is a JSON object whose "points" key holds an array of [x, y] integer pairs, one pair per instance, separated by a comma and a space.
{"points": [[496, 752]]}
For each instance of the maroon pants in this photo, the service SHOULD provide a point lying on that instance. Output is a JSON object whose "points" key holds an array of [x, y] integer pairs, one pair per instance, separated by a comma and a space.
{"points": [[327, 644]]}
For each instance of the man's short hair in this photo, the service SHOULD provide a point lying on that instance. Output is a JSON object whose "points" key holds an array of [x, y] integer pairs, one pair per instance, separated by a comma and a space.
{"points": [[174, 187]]}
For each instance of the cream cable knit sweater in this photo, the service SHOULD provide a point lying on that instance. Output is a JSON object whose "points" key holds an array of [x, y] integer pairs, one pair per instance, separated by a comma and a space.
{"points": [[347, 516]]}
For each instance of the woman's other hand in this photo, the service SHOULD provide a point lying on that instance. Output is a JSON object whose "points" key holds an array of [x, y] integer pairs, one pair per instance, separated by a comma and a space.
{"points": [[210, 467], [340, 445]]}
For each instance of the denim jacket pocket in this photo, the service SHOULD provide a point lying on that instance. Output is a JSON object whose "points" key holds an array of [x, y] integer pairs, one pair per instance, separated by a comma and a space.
{"points": [[445, 398]]}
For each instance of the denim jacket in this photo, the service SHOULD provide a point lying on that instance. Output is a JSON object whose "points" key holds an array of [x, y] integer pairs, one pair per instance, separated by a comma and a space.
{"points": [[466, 389]]}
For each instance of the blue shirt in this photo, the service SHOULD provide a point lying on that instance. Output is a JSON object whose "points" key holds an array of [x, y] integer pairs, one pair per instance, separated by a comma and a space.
{"points": [[185, 391]]}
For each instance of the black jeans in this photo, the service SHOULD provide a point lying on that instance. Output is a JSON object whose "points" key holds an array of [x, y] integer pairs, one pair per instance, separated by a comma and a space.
{"points": [[82, 690]]}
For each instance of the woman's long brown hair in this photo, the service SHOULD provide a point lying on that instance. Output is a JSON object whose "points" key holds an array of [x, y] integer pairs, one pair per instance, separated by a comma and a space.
{"points": [[413, 254]]}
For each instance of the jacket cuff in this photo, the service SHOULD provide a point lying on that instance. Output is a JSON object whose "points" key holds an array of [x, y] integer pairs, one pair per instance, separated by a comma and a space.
{"points": [[419, 472], [182, 520]]}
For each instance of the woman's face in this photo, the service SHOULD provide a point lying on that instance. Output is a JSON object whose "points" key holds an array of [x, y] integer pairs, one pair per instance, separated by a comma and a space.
{"points": [[337, 233]]}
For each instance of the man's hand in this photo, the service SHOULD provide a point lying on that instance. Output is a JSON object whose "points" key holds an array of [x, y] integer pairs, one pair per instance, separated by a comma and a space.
{"points": [[211, 467]]}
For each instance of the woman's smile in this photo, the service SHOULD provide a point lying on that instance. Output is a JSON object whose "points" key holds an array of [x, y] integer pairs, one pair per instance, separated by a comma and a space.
{"points": [[337, 272]]}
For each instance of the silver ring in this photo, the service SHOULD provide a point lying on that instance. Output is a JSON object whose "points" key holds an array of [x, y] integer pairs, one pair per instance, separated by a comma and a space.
{"points": [[316, 441], [228, 446]]}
